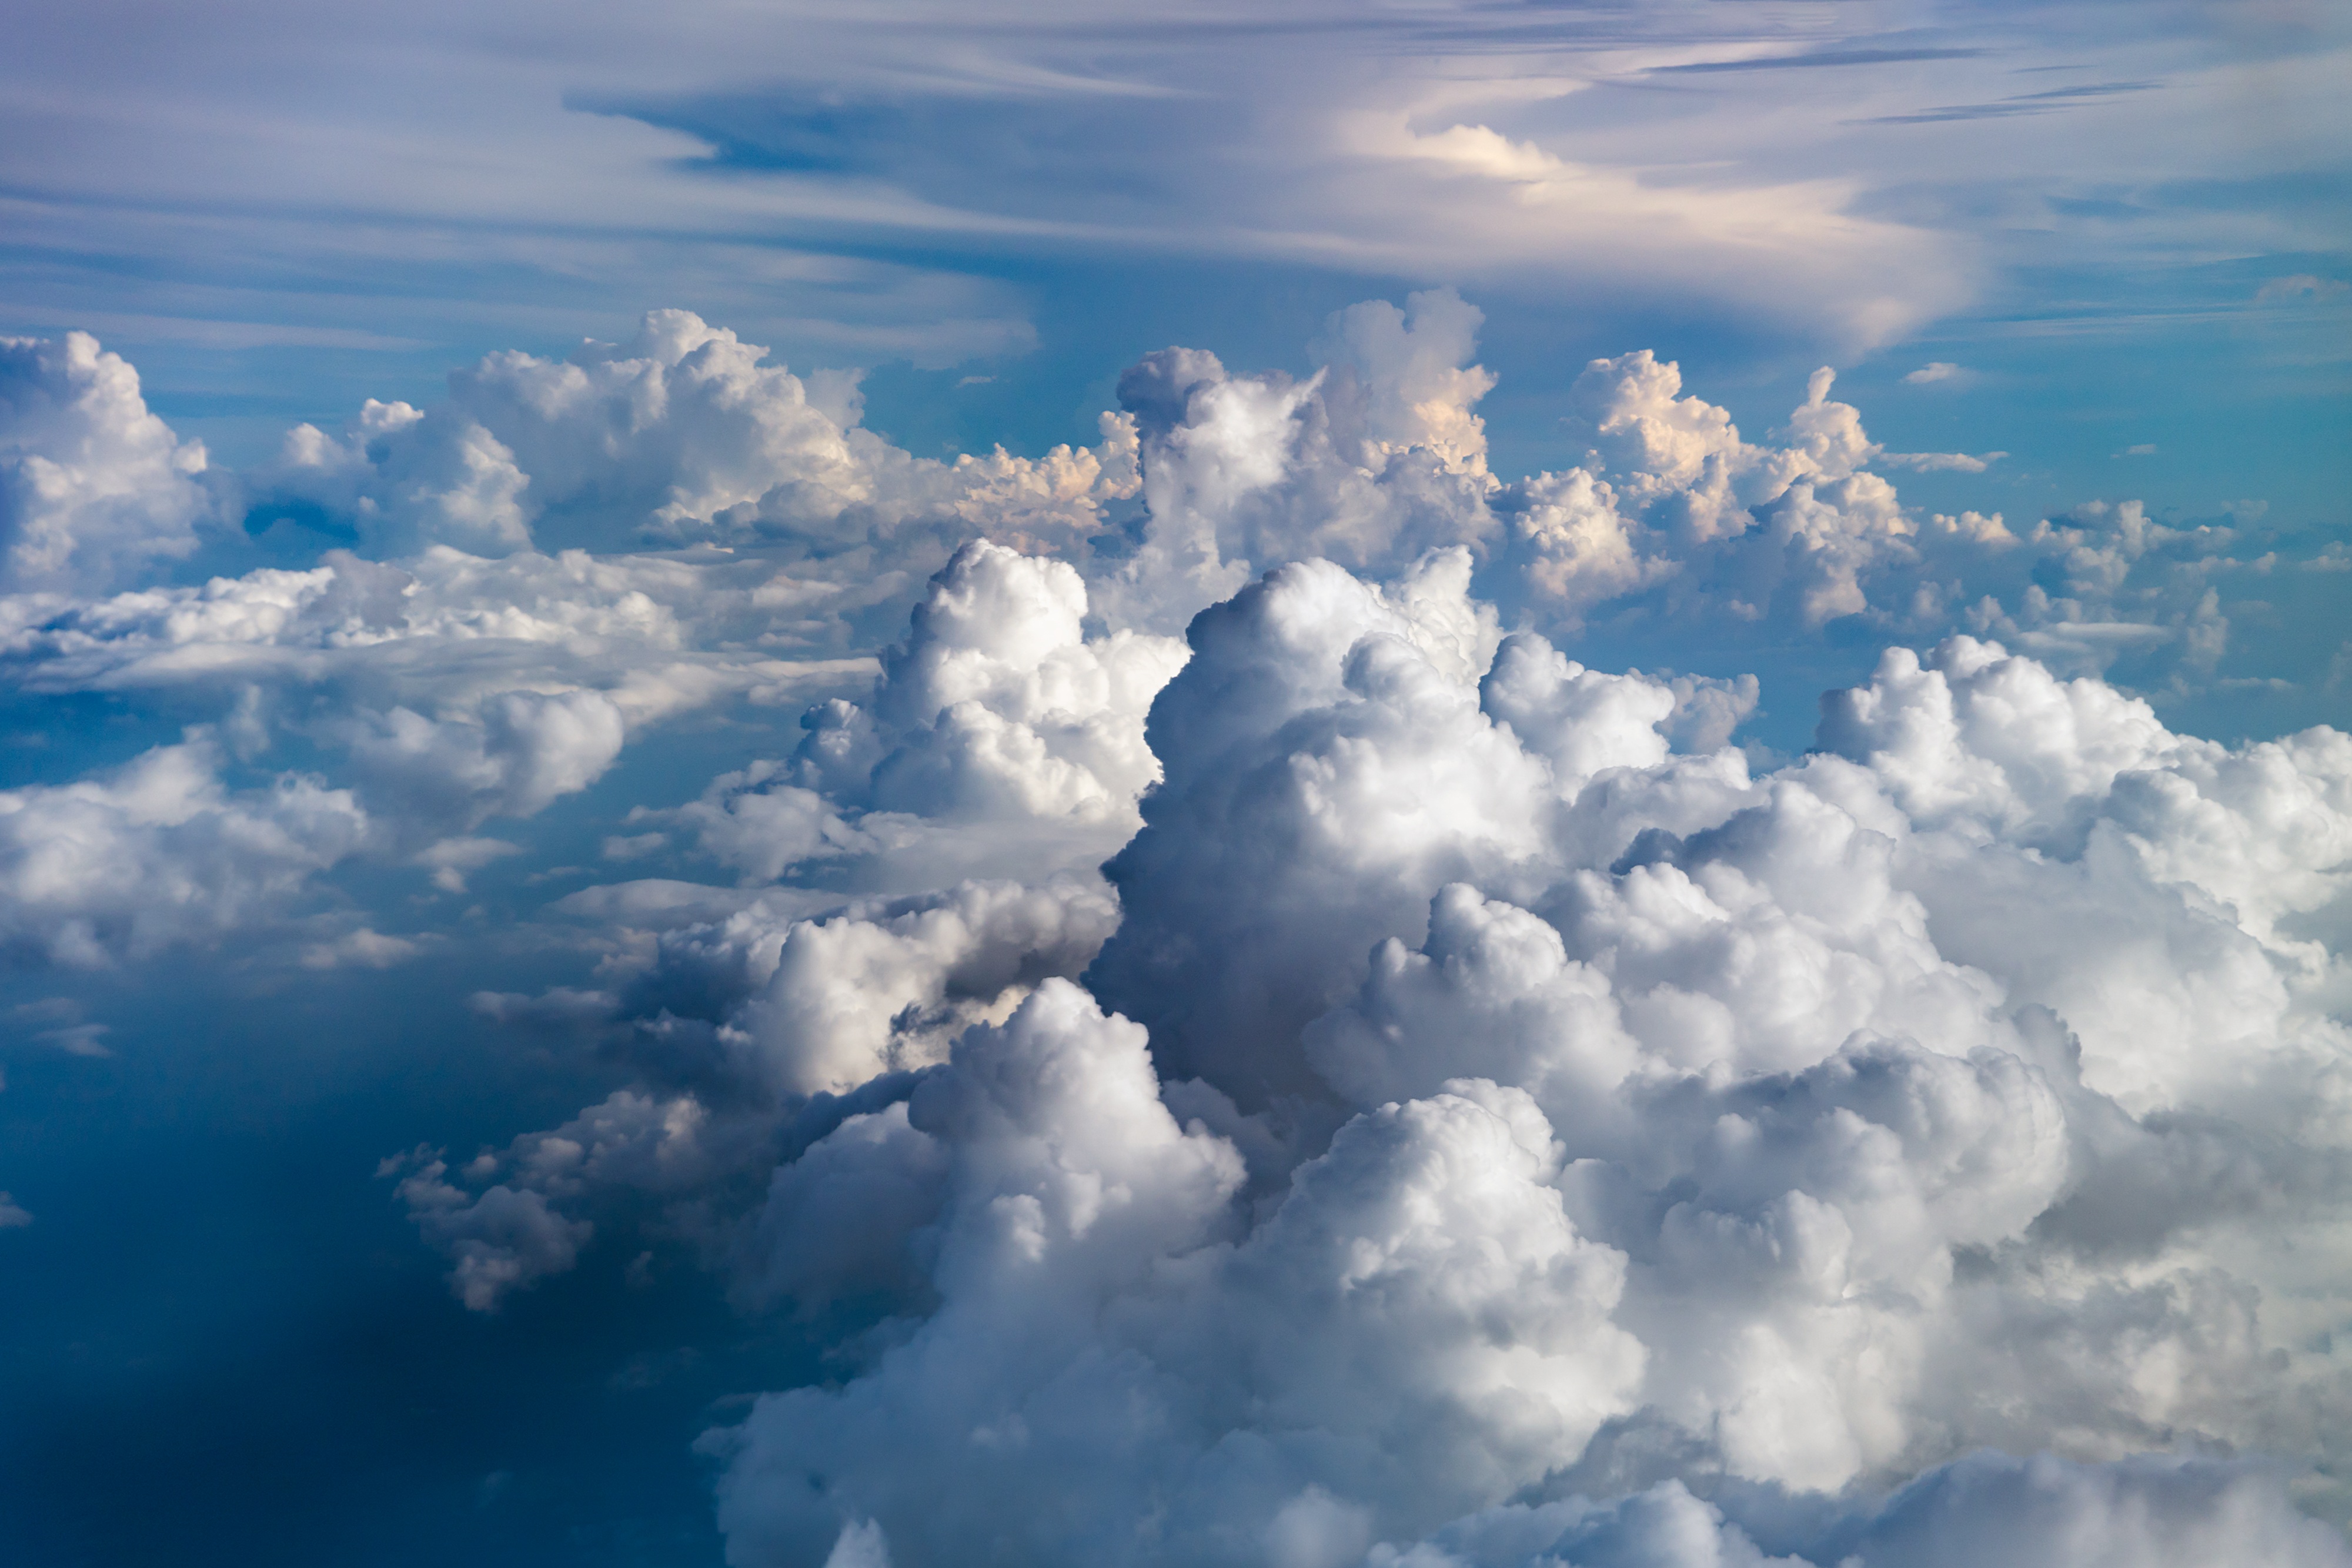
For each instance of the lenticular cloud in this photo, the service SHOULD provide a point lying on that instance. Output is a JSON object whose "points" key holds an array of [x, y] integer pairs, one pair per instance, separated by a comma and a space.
{"points": [[1250, 1042]]}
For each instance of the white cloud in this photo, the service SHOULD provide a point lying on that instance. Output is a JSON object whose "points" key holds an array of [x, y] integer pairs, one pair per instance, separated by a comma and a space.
{"points": [[522, 751], [1472, 1107], [1529, 1106], [677, 436], [157, 852], [1942, 461], [454, 687], [93, 488], [362, 948], [999, 736], [1781, 1100], [1934, 371]]}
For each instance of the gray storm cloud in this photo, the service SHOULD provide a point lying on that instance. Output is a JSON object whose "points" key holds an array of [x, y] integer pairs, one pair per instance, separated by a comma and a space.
{"points": [[1250, 1046]]}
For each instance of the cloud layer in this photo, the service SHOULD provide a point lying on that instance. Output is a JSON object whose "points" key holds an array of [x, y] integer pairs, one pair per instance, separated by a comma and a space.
{"points": [[1195, 970]]}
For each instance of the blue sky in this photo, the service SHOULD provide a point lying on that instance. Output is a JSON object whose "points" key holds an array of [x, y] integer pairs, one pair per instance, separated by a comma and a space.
{"points": [[511, 803]]}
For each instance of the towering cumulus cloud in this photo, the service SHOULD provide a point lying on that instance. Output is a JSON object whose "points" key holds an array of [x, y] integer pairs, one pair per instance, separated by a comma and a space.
{"points": [[1243, 1037], [1547, 1122]]}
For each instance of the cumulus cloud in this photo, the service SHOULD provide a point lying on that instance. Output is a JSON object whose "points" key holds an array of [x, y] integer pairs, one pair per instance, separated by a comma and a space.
{"points": [[1672, 518], [1517, 1107], [1376, 458], [773, 1023], [475, 658], [158, 851], [999, 735], [680, 435], [500, 1238], [1363, 1081], [520, 752], [93, 488]]}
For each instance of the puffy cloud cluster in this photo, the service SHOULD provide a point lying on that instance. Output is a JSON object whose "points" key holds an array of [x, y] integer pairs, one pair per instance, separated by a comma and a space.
{"points": [[999, 736], [450, 670], [999, 741], [1419, 1316], [438, 693], [679, 436], [1523, 1122], [773, 1025], [159, 852], [497, 637], [93, 488], [1670, 495], [1672, 523], [1377, 458], [1356, 1085]]}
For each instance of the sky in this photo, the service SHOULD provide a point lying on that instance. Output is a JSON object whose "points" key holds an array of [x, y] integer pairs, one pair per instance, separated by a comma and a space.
{"points": [[1404, 786]]}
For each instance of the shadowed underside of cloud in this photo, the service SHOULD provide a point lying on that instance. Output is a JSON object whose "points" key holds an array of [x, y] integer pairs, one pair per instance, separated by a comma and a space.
{"points": [[1243, 1039]]}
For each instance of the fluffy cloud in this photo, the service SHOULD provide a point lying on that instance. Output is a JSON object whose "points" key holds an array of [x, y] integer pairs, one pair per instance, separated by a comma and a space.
{"points": [[158, 851], [93, 488], [474, 659], [1671, 525], [1421, 1308], [1373, 460], [771, 1025], [522, 751], [998, 736], [1364, 1082], [499, 1240], [679, 436], [1528, 1110]]}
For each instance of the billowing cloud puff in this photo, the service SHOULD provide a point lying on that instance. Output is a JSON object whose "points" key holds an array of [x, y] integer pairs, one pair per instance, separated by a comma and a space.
{"points": [[883, 988], [763, 1026], [1530, 1117], [2149, 886], [522, 752], [679, 437], [93, 488], [502, 1239], [997, 710], [1375, 459], [158, 851], [1419, 1307]]}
